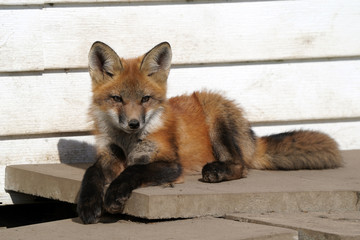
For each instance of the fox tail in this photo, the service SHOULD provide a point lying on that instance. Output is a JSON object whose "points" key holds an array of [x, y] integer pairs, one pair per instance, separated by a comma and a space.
{"points": [[296, 150]]}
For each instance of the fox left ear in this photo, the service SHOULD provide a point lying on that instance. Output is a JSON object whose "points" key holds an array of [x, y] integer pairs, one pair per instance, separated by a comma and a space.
{"points": [[103, 63], [157, 62]]}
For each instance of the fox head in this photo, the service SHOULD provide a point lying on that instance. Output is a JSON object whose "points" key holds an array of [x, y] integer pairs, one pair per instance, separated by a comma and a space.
{"points": [[128, 93]]}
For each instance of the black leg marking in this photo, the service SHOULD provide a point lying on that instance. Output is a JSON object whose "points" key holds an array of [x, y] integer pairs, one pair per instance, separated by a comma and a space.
{"points": [[228, 132], [91, 194], [155, 173], [229, 162]]}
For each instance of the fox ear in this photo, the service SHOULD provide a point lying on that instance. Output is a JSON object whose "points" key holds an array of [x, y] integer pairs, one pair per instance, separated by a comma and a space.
{"points": [[104, 63], [157, 62]]}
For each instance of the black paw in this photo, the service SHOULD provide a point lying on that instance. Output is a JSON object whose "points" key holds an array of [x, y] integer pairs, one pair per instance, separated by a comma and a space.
{"points": [[116, 197], [89, 209], [214, 172]]}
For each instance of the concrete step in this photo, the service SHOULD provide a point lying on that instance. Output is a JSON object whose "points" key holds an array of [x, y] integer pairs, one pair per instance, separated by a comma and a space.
{"points": [[55, 181], [202, 228], [262, 191], [310, 226]]}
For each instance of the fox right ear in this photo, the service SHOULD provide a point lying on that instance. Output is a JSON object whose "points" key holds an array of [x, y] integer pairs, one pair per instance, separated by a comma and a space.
{"points": [[157, 62], [104, 63]]}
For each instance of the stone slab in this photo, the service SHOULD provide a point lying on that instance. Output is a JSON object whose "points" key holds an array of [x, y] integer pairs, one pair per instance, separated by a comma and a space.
{"points": [[203, 228], [262, 191], [55, 181], [311, 226]]}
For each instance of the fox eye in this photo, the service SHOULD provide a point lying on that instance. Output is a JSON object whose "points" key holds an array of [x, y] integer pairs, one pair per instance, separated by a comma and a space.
{"points": [[145, 99], [117, 98]]}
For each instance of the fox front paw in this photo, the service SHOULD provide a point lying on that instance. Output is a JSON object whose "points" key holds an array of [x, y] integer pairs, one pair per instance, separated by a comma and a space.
{"points": [[89, 210], [116, 197]]}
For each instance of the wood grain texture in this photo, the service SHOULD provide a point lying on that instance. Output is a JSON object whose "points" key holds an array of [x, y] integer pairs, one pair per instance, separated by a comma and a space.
{"points": [[48, 103], [199, 33], [206, 33], [58, 102], [280, 92], [21, 45], [47, 150]]}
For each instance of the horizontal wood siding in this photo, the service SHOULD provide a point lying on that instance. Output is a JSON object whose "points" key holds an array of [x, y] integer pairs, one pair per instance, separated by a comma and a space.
{"points": [[44, 103], [58, 102], [199, 33], [289, 64]]}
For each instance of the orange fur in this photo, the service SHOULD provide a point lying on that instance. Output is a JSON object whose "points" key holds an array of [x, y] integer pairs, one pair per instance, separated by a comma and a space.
{"points": [[194, 146], [189, 122], [145, 139]]}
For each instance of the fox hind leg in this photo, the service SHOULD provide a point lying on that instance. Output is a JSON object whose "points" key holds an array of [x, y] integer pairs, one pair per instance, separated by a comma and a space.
{"points": [[229, 164], [232, 140]]}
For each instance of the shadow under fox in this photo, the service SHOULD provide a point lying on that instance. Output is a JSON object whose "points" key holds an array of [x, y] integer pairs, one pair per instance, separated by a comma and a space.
{"points": [[145, 139]]}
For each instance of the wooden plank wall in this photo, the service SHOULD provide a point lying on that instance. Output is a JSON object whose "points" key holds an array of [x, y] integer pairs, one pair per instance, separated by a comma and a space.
{"points": [[289, 64]]}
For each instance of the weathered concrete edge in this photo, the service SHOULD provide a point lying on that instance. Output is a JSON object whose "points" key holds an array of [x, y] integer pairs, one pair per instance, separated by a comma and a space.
{"points": [[163, 206], [46, 186], [218, 205]]}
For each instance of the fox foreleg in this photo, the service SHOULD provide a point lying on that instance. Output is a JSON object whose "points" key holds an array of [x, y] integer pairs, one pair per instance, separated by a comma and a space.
{"points": [[135, 176], [107, 167], [142, 153], [90, 200]]}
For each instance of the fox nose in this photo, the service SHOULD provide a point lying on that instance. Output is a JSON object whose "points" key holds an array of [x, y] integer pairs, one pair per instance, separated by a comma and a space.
{"points": [[134, 124]]}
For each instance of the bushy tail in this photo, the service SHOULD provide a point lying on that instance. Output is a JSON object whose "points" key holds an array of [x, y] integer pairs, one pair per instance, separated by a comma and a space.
{"points": [[297, 150]]}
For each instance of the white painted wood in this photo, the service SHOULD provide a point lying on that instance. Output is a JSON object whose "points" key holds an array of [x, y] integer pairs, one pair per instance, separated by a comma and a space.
{"points": [[20, 40], [79, 149], [281, 92], [47, 150], [206, 33], [52, 102], [58, 102], [199, 33]]}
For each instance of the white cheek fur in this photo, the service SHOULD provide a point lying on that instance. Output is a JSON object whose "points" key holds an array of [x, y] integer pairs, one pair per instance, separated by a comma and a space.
{"points": [[114, 118], [153, 120]]}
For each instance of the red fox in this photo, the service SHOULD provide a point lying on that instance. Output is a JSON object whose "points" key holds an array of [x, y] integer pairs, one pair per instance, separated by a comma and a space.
{"points": [[143, 138]]}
